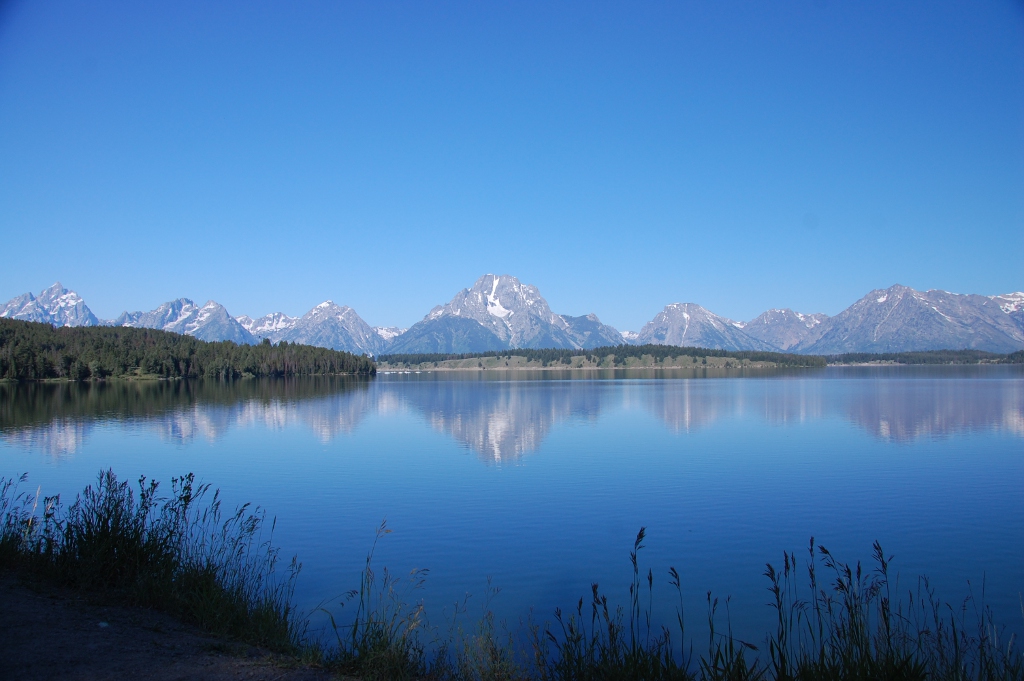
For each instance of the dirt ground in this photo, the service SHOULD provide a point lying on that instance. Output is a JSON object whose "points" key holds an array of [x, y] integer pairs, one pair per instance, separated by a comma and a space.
{"points": [[54, 634]]}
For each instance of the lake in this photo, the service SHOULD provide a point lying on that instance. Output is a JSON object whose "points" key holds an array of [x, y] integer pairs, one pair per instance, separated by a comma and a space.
{"points": [[537, 482]]}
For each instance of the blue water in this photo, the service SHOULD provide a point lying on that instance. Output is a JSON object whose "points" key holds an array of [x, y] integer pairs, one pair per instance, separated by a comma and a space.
{"points": [[540, 482]]}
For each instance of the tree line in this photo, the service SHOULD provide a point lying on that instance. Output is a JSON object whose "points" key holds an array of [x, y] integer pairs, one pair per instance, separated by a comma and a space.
{"points": [[619, 354], [32, 351], [929, 357]]}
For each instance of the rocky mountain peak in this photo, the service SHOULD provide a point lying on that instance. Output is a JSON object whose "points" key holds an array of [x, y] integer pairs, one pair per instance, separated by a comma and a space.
{"points": [[55, 305], [211, 322], [330, 325], [514, 312], [329, 308], [1010, 302], [690, 325], [785, 328], [500, 312], [267, 326], [899, 319]]}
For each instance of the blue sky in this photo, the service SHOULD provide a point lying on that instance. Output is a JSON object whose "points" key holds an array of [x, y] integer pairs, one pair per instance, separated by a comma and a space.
{"points": [[620, 156]]}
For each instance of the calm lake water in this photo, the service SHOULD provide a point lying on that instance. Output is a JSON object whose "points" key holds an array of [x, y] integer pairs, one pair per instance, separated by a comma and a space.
{"points": [[539, 482]]}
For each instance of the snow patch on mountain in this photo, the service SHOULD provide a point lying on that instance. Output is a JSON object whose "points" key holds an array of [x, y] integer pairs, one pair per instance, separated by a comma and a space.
{"points": [[785, 329], [389, 333], [511, 314], [494, 304], [329, 325], [211, 322], [1010, 302], [55, 305], [911, 320], [268, 326], [690, 325]]}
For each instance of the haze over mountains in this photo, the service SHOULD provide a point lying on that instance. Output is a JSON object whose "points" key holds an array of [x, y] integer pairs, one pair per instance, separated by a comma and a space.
{"points": [[499, 312]]}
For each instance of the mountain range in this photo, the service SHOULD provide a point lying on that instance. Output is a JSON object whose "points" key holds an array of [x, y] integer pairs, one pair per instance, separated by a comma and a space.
{"points": [[499, 313], [211, 322]]}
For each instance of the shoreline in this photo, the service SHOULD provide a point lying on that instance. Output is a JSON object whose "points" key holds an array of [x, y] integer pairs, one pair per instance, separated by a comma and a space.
{"points": [[49, 632]]}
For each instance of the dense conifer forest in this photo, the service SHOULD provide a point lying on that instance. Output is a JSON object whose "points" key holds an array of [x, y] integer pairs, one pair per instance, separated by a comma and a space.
{"points": [[619, 353], [31, 351]]}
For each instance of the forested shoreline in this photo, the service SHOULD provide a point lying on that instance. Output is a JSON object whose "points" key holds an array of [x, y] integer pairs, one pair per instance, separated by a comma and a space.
{"points": [[618, 355], [928, 357], [30, 351]]}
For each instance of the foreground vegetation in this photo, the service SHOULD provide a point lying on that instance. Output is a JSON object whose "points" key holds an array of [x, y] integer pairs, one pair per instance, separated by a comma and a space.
{"points": [[33, 351], [182, 554], [619, 356]]}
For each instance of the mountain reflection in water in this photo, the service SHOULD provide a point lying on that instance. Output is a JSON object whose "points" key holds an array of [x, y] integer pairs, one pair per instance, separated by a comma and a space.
{"points": [[502, 420]]}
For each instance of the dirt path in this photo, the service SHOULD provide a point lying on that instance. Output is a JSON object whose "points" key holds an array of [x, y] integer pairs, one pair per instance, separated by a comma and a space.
{"points": [[55, 634]]}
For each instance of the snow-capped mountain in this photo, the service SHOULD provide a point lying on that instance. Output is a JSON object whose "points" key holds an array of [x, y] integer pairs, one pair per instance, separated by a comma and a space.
{"points": [[899, 319], [329, 325], [690, 325], [785, 329], [514, 312], [55, 305], [271, 326], [389, 333], [1013, 305], [500, 312], [497, 313], [172, 316], [211, 322]]}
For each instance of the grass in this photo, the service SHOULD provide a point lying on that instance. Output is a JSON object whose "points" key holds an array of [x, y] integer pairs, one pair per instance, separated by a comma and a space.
{"points": [[181, 553]]}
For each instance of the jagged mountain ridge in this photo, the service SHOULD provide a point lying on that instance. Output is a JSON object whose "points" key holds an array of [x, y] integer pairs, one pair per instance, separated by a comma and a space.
{"points": [[690, 325], [268, 326], [211, 322], [327, 325], [55, 305], [785, 329], [590, 332], [334, 326], [899, 319], [499, 312], [1013, 305]]}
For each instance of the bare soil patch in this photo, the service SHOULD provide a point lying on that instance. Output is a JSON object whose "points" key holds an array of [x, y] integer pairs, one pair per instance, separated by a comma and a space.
{"points": [[49, 633]]}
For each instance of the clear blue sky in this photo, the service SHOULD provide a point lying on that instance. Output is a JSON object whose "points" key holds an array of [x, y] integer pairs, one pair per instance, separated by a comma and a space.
{"points": [[620, 156]]}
